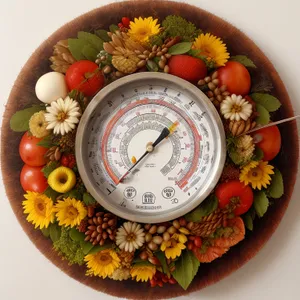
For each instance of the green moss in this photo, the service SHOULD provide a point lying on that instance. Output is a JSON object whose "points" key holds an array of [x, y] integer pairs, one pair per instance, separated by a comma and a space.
{"points": [[178, 26], [69, 249]]}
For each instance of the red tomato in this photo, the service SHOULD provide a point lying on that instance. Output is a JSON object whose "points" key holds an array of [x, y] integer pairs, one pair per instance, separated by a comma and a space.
{"points": [[269, 141], [236, 77], [85, 76], [235, 190], [30, 152], [32, 179], [187, 67]]}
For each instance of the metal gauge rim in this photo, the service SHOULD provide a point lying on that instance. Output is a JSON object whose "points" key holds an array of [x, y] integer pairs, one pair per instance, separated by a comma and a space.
{"points": [[186, 88]]}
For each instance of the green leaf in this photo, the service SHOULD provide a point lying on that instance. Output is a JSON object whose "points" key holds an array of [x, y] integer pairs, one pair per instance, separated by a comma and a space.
{"points": [[102, 34], [248, 220], [90, 53], [74, 194], [258, 154], [113, 28], [264, 116], [162, 259], [86, 247], [46, 142], [76, 235], [99, 248], [186, 268], [261, 203], [19, 122], [88, 199], [55, 232], [76, 46], [92, 39], [140, 262], [276, 189], [180, 48], [49, 192], [209, 205], [49, 168], [152, 66], [269, 102], [244, 60], [46, 231]]}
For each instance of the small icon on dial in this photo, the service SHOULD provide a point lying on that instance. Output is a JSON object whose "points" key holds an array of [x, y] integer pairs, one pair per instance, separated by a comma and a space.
{"points": [[168, 192], [148, 198], [130, 192]]}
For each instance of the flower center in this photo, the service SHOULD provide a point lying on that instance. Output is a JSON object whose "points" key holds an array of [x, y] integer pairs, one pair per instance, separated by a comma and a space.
{"points": [[131, 237], [62, 116], [105, 259], [143, 31], [236, 108], [72, 213], [255, 174], [40, 207]]}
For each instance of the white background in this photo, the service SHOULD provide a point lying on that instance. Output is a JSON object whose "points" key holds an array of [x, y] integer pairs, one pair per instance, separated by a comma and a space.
{"points": [[273, 274]]}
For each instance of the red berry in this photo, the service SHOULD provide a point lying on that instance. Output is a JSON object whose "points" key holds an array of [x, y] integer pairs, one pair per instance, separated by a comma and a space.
{"points": [[160, 284], [120, 25], [126, 22], [187, 67], [190, 245], [191, 237], [64, 161], [172, 280], [198, 242]]}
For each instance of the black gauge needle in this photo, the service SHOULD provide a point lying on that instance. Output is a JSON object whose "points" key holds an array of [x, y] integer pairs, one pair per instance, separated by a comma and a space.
{"points": [[150, 146]]}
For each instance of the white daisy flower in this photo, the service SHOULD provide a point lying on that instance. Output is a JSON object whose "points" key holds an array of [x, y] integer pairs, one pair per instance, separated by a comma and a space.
{"points": [[236, 108], [130, 236], [62, 115]]}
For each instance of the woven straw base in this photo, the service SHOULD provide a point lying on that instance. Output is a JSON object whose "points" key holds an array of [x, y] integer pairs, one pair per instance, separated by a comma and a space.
{"points": [[23, 94]]}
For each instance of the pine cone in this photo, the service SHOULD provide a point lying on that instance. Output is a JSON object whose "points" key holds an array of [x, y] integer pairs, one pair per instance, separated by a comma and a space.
{"points": [[209, 85], [67, 141], [53, 154], [239, 127], [125, 258], [210, 223], [102, 227], [83, 226], [230, 172], [62, 58]]}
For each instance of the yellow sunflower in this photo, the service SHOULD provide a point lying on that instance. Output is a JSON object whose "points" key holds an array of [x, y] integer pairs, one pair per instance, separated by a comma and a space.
{"points": [[70, 212], [142, 273], [173, 246], [102, 264], [141, 29], [39, 209], [212, 48], [257, 173]]}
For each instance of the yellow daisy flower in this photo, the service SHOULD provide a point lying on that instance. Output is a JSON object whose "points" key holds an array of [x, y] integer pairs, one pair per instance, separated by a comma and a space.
{"points": [[257, 173], [142, 273], [38, 124], [212, 48], [39, 209], [142, 28], [102, 264], [70, 212], [173, 246]]}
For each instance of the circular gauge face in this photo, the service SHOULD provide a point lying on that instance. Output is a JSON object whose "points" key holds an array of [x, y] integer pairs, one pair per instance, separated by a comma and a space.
{"points": [[150, 147]]}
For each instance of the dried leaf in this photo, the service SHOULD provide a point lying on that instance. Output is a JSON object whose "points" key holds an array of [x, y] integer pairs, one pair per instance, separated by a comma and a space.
{"points": [[103, 35], [91, 39], [76, 46], [261, 203], [276, 189], [269, 102], [263, 117]]}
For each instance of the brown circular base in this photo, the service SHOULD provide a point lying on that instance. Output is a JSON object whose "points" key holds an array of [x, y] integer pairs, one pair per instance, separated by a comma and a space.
{"points": [[23, 94]]}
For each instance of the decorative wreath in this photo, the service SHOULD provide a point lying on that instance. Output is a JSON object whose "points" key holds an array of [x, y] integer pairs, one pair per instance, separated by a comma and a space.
{"points": [[84, 233]]}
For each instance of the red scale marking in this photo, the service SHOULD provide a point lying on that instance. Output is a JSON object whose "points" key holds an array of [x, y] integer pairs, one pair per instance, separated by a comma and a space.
{"points": [[183, 182]]}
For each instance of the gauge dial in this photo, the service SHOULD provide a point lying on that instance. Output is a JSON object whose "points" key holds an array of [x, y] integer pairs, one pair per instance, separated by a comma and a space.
{"points": [[116, 134]]}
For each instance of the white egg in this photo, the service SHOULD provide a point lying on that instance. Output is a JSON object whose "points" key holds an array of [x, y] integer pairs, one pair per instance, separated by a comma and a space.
{"points": [[50, 87]]}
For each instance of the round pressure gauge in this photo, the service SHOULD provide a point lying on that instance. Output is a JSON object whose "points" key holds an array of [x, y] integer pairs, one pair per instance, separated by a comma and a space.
{"points": [[150, 147]]}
